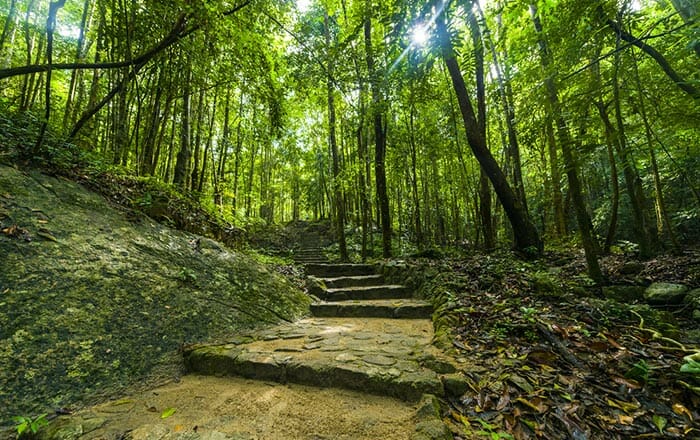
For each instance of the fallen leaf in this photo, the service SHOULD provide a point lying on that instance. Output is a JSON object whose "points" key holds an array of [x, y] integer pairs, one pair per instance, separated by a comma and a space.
{"points": [[47, 235], [625, 406], [167, 413], [625, 420], [659, 422], [629, 383], [682, 411], [179, 428]]}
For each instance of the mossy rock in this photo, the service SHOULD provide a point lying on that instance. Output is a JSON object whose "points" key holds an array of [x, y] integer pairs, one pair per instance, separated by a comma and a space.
{"points": [[110, 301], [665, 293], [546, 285]]}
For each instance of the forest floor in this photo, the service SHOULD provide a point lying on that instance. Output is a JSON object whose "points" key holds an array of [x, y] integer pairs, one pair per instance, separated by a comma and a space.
{"points": [[556, 359], [550, 355]]}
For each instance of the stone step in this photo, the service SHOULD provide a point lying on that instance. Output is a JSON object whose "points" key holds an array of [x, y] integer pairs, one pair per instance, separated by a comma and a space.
{"points": [[378, 356], [368, 292], [338, 270], [353, 281], [398, 309], [317, 260]]}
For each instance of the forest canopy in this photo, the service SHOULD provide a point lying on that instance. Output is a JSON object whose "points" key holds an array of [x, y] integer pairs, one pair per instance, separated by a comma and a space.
{"points": [[499, 123]]}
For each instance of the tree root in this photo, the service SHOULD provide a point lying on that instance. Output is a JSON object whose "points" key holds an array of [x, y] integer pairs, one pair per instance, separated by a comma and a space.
{"points": [[656, 335]]}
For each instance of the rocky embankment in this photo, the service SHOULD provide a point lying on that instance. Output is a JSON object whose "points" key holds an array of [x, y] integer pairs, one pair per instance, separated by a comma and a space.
{"points": [[95, 298]]}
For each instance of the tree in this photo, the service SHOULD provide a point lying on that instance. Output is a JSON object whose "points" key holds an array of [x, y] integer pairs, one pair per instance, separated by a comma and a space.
{"points": [[527, 238]]}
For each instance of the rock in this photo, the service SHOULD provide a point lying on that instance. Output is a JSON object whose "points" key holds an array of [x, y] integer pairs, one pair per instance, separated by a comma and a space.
{"points": [[455, 384], [545, 284], [432, 430], [65, 429], [152, 432], [428, 408], [316, 287], [624, 293], [693, 299], [665, 293], [631, 268]]}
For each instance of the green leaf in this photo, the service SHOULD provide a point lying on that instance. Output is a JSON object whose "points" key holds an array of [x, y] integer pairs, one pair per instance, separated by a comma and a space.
{"points": [[22, 427], [660, 422], [167, 413]]}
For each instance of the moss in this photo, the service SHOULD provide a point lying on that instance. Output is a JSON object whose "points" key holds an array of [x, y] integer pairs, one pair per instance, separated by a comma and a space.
{"points": [[107, 305]]}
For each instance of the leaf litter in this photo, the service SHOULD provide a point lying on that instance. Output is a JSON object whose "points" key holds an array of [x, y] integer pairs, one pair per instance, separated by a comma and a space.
{"points": [[558, 361]]}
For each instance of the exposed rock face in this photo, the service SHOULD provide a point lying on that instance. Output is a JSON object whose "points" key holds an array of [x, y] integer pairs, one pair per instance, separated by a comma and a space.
{"points": [[93, 297], [665, 293]]}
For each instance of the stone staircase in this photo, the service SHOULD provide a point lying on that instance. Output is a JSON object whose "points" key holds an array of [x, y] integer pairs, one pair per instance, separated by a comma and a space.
{"points": [[363, 335], [356, 290]]}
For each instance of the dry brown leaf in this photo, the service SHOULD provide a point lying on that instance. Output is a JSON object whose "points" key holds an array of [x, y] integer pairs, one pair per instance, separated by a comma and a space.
{"points": [[682, 411]]}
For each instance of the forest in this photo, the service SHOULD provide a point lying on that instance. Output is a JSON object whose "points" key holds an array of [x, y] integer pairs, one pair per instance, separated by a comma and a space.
{"points": [[529, 168], [414, 124]]}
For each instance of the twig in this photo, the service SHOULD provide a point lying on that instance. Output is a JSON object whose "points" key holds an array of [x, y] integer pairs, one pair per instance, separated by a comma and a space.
{"points": [[560, 347]]}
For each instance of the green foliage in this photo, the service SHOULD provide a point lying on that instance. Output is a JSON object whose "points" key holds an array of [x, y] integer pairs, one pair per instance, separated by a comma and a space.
{"points": [[691, 364], [187, 275], [25, 425], [492, 432], [640, 371]]}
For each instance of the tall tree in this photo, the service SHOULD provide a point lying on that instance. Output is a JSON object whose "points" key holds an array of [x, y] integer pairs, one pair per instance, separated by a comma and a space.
{"points": [[527, 239], [380, 127], [566, 144]]}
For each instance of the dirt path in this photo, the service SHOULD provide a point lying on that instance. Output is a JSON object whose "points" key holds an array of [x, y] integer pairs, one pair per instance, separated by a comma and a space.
{"points": [[234, 408]]}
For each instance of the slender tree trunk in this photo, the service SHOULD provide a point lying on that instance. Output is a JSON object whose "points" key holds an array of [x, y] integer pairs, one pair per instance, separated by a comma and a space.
{"points": [[198, 141], [237, 151], [208, 145], [566, 144], [484, 187], [663, 222], [610, 141], [632, 180], [379, 135], [506, 94], [182, 163], [333, 145], [527, 238], [414, 174], [8, 29], [610, 137], [79, 56]]}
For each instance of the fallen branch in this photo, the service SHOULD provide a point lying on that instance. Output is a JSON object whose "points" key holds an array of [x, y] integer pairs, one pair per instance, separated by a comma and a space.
{"points": [[559, 346]]}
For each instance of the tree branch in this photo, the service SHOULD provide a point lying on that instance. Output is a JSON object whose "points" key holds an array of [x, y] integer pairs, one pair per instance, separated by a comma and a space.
{"points": [[177, 33], [656, 55]]}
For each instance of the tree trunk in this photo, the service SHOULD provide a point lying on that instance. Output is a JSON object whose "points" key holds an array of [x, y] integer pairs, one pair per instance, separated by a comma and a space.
{"points": [[182, 162], [379, 136], [527, 239], [566, 144], [79, 56], [8, 29], [414, 175], [633, 182], [50, 26], [663, 222], [333, 145], [484, 187]]}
